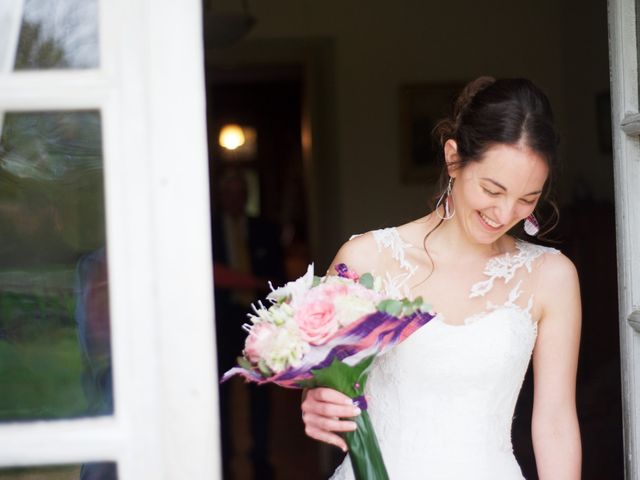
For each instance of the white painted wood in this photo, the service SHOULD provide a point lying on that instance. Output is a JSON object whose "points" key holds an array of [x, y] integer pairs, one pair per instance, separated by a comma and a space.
{"points": [[10, 21], [62, 441], [181, 227], [634, 320], [631, 124], [624, 104], [150, 90]]}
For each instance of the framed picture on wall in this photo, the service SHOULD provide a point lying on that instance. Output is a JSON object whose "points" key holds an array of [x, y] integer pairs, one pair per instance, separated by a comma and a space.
{"points": [[421, 107]]}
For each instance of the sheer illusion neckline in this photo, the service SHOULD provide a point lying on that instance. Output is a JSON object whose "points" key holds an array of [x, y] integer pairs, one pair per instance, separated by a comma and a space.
{"points": [[502, 266], [514, 251]]}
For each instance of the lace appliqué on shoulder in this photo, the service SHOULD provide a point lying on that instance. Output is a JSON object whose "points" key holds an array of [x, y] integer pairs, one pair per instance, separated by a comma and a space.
{"points": [[505, 266], [395, 285]]}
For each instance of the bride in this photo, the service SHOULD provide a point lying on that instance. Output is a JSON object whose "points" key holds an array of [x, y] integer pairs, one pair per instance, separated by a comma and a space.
{"points": [[442, 402]]}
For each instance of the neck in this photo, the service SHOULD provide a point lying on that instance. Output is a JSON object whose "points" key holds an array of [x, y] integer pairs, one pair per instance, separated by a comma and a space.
{"points": [[451, 239]]}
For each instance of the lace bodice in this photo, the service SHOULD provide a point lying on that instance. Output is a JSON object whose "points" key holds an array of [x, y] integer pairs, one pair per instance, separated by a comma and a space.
{"points": [[442, 402]]}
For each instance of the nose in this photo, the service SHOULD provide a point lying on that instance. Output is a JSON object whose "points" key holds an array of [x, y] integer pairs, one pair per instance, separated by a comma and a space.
{"points": [[505, 212]]}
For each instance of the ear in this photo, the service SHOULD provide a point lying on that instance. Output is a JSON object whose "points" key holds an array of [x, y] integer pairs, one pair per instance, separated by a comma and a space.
{"points": [[451, 157]]}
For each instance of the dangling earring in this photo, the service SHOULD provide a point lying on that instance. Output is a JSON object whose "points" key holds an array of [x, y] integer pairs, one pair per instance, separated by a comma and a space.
{"points": [[531, 225], [446, 197]]}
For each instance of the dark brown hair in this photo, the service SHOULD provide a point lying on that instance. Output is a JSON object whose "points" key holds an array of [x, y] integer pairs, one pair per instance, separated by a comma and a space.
{"points": [[506, 111]]}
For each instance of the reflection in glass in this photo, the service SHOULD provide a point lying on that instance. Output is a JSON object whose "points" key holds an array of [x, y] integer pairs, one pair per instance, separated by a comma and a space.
{"points": [[89, 471], [54, 315], [57, 34]]}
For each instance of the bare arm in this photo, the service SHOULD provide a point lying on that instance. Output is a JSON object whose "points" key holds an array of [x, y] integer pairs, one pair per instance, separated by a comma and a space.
{"points": [[555, 429]]}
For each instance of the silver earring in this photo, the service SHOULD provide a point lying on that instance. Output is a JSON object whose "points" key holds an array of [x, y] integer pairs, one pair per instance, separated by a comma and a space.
{"points": [[446, 198], [531, 225]]}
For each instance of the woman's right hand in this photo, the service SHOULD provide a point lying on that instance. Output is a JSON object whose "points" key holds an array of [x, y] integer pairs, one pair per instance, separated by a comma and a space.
{"points": [[322, 409]]}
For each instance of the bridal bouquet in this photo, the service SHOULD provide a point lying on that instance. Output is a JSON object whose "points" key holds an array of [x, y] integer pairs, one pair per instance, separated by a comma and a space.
{"points": [[326, 331]]}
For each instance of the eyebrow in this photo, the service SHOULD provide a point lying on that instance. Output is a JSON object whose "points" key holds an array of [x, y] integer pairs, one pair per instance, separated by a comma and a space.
{"points": [[505, 188]]}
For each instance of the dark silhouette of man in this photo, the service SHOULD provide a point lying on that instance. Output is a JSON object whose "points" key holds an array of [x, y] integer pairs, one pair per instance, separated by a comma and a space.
{"points": [[247, 253]]}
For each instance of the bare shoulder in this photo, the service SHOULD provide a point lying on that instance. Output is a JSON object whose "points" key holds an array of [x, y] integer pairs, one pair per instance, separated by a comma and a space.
{"points": [[558, 283], [359, 253], [556, 268]]}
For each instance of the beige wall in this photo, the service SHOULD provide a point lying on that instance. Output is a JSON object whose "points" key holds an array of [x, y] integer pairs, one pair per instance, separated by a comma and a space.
{"points": [[379, 46]]}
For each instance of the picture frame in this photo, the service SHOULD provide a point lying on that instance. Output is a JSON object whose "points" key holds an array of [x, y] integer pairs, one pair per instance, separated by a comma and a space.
{"points": [[421, 106]]}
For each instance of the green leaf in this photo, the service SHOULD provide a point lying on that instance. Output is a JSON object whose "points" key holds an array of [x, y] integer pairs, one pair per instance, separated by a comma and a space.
{"points": [[316, 281], [308, 383], [367, 281], [244, 363], [264, 370], [364, 450], [390, 306], [343, 377]]}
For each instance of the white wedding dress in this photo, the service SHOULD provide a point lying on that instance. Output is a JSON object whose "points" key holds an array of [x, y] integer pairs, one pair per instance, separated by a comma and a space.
{"points": [[442, 401]]}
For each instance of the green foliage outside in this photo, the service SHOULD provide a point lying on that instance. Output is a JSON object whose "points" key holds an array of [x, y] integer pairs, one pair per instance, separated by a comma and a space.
{"points": [[40, 359], [65, 472]]}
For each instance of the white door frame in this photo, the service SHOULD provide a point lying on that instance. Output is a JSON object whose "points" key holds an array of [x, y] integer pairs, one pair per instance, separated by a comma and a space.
{"points": [[623, 54], [150, 91]]}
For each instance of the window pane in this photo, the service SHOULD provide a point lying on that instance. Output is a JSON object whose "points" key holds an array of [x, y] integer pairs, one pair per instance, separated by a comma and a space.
{"points": [[57, 34], [88, 471], [54, 316]]}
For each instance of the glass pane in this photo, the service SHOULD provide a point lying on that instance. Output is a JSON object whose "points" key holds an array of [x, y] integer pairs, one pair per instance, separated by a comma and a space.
{"points": [[57, 34], [88, 471], [54, 316]]}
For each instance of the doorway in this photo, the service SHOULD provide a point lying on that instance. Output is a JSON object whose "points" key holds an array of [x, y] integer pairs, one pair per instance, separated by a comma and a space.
{"points": [[379, 53]]}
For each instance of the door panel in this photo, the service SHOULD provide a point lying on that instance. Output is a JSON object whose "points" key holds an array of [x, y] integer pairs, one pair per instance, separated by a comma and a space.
{"points": [[623, 46], [106, 308]]}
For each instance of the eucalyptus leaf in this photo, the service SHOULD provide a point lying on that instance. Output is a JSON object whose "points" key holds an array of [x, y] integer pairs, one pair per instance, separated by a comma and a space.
{"points": [[367, 280], [390, 306]]}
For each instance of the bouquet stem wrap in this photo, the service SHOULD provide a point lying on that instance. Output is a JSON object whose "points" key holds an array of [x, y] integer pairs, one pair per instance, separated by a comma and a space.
{"points": [[364, 451]]}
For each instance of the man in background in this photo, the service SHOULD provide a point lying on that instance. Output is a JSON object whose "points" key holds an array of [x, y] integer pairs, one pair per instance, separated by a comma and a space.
{"points": [[247, 253]]}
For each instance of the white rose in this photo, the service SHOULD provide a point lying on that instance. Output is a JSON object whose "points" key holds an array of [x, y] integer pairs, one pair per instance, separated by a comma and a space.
{"points": [[286, 348], [348, 309]]}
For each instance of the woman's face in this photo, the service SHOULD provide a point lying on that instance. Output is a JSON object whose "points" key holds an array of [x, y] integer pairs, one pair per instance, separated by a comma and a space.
{"points": [[492, 195]]}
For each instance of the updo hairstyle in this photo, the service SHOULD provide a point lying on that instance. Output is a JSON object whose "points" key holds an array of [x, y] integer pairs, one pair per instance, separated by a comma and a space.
{"points": [[506, 111]]}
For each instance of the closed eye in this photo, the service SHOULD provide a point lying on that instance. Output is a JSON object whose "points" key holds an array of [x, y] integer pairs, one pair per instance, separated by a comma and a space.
{"points": [[491, 193]]}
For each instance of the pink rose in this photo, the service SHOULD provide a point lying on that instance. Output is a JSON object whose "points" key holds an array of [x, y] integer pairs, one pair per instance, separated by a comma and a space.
{"points": [[316, 321], [258, 341]]}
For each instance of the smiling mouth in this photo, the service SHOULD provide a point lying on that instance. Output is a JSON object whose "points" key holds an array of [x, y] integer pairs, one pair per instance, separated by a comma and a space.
{"points": [[489, 223]]}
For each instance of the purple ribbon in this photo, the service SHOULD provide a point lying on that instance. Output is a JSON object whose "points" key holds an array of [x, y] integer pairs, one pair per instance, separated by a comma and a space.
{"points": [[342, 270], [360, 402]]}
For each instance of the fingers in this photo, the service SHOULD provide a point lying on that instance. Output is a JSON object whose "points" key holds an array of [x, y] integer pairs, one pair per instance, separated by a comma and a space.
{"points": [[326, 437], [329, 403], [322, 409], [328, 424]]}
